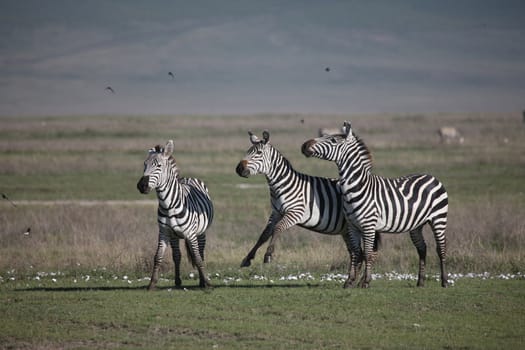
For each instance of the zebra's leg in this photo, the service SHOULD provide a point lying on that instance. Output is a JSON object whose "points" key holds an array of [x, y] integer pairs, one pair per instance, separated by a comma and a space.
{"points": [[265, 235], [175, 251], [287, 221], [438, 226], [192, 245], [416, 236], [159, 255], [353, 244], [374, 255], [369, 236], [201, 240], [377, 243]]}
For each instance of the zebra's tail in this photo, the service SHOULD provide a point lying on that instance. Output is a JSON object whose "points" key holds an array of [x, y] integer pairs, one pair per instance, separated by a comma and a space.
{"points": [[190, 253]]}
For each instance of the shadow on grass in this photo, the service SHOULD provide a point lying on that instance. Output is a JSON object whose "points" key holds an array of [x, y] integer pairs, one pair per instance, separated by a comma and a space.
{"points": [[167, 288]]}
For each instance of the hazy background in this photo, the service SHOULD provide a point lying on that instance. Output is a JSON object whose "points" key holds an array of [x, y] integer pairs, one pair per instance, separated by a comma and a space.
{"points": [[57, 57]]}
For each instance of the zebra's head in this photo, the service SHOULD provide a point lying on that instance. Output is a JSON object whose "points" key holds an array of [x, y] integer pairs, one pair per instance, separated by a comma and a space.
{"points": [[256, 159], [330, 147], [157, 167]]}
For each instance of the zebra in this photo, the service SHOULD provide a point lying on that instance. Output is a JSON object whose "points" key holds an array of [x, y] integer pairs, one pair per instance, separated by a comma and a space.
{"points": [[185, 211], [311, 202], [376, 204]]}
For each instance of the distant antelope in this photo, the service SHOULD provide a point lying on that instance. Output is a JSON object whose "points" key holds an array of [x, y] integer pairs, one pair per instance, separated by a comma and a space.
{"points": [[449, 134]]}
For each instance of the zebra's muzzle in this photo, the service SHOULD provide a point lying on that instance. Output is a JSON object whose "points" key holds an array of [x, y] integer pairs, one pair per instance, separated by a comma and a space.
{"points": [[306, 148], [143, 185], [242, 169]]}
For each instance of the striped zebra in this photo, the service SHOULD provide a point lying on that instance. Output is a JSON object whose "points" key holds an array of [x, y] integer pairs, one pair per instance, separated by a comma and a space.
{"points": [[377, 204], [311, 202], [185, 211]]}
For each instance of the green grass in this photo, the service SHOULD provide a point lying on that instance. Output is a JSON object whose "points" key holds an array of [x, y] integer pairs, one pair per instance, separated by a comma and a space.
{"points": [[474, 314]]}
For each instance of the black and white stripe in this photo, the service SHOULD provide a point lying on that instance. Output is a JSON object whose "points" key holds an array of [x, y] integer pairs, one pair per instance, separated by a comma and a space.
{"points": [[185, 211], [377, 204], [311, 202]]}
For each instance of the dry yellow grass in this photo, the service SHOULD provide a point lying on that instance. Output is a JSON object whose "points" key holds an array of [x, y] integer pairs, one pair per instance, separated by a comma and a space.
{"points": [[101, 158]]}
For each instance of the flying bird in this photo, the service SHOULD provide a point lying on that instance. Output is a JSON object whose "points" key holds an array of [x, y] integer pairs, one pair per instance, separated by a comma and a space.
{"points": [[28, 231], [327, 69], [110, 89], [171, 75], [4, 196]]}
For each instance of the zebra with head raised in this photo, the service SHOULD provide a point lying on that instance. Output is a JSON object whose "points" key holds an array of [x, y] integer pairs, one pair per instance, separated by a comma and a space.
{"points": [[185, 211], [377, 204], [311, 202]]}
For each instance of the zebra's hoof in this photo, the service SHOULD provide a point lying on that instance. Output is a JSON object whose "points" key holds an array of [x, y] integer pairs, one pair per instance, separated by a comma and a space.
{"points": [[206, 285], [348, 284], [246, 262], [267, 259]]}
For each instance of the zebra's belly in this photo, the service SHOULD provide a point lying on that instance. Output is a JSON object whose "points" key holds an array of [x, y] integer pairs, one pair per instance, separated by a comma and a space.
{"points": [[185, 228], [325, 228], [327, 223], [380, 223], [398, 225], [322, 220]]}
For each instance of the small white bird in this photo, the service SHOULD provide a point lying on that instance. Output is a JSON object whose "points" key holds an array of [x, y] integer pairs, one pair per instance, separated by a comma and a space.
{"points": [[28, 231]]}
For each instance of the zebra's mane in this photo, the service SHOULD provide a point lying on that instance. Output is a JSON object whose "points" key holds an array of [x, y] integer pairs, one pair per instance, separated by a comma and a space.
{"points": [[363, 151], [284, 159], [171, 159]]}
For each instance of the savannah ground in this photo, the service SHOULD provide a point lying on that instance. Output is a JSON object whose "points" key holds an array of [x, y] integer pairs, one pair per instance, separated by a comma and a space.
{"points": [[77, 280]]}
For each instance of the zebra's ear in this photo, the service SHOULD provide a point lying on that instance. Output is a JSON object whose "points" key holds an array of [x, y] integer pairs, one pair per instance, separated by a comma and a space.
{"points": [[253, 139], [266, 136], [168, 149], [348, 130]]}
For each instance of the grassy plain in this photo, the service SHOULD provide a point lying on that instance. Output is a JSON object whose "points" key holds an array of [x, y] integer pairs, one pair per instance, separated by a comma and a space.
{"points": [[73, 182], [474, 314]]}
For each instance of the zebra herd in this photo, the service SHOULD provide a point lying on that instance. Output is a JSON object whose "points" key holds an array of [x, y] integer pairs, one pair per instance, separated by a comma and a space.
{"points": [[358, 206]]}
